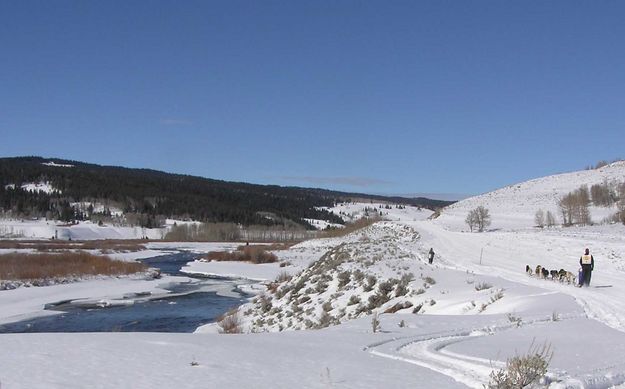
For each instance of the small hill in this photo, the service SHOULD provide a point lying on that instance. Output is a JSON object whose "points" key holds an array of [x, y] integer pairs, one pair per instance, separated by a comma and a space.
{"points": [[515, 206]]}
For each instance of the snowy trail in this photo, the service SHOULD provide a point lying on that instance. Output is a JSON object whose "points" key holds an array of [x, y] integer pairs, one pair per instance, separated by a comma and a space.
{"points": [[505, 254], [430, 353]]}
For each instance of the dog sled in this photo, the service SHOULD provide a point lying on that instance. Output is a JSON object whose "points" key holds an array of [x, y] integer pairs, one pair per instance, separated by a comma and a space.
{"points": [[562, 276]]}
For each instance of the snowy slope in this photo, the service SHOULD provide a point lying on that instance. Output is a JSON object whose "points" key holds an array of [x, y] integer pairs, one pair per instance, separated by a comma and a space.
{"points": [[54, 164], [322, 224], [45, 187], [514, 206], [354, 211]]}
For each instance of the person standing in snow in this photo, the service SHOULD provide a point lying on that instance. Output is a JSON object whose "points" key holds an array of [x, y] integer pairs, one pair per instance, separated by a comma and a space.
{"points": [[588, 264], [431, 256]]}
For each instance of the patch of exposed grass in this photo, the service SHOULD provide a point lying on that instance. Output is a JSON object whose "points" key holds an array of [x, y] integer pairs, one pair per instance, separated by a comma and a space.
{"points": [[252, 253], [283, 277], [268, 247], [230, 323], [350, 227], [483, 286], [497, 296], [17, 266], [107, 245], [353, 300], [344, 278]]}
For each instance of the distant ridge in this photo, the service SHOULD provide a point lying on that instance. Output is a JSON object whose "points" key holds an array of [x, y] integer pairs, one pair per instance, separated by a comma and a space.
{"points": [[152, 195]]}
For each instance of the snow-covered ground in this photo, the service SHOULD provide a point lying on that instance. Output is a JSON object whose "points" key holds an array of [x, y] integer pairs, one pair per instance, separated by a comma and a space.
{"points": [[356, 210], [86, 230], [322, 224], [44, 187], [454, 322], [54, 164], [97, 207]]}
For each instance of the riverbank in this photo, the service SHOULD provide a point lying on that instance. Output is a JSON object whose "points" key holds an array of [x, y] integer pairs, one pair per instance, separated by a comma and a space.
{"points": [[27, 303]]}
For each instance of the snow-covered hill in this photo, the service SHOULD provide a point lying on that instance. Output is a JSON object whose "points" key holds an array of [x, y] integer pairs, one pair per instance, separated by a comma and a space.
{"points": [[514, 206], [350, 212]]}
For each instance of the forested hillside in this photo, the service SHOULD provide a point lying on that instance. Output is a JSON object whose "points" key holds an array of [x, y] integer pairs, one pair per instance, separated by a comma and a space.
{"points": [[76, 190]]}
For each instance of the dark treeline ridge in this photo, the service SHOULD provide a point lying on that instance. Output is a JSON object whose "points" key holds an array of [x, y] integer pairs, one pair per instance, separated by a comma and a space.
{"points": [[150, 195]]}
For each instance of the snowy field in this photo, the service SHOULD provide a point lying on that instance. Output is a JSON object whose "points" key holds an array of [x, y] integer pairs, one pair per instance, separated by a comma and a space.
{"points": [[85, 230], [476, 308], [354, 211]]}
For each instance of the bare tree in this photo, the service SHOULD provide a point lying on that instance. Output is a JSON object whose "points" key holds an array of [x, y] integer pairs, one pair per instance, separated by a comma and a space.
{"points": [[584, 194], [539, 218], [478, 218], [550, 220], [574, 207], [583, 215], [601, 164], [621, 203], [601, 195], [483, 219], [582, 201], [566, 206], [471, 219]]}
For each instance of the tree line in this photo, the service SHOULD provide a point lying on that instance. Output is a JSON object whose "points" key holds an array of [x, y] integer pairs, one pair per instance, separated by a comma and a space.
{"points": [[574, 206], [151, 196]]}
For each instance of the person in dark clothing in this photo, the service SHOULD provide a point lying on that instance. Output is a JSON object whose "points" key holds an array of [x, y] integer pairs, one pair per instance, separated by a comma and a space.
{"points": [[588, 265], [431, 256]]}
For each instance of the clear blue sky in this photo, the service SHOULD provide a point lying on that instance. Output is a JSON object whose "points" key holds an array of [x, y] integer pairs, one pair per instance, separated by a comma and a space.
{"points": [[371, 96]]}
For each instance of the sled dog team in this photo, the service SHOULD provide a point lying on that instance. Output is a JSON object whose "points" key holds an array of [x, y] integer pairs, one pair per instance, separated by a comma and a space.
{"points": [[586, 261], [556, 275]]}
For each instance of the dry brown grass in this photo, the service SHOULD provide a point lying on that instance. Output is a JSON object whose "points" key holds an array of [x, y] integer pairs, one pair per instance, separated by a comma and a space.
{"points": [[55, 245], [16, 266], [252, 253], [350, 227], [230, 323], [269, 247], [523, 370]]}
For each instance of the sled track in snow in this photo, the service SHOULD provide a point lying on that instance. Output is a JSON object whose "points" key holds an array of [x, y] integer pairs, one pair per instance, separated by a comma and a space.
{"points": [[607, 311], [599, 302], [429, 351]]}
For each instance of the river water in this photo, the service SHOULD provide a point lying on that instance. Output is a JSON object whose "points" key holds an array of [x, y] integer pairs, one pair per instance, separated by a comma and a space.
{"points": [[189, 306]]}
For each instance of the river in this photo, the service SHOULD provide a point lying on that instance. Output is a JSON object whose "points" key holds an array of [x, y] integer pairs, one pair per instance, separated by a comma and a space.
{"points": [[188, 306]]}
